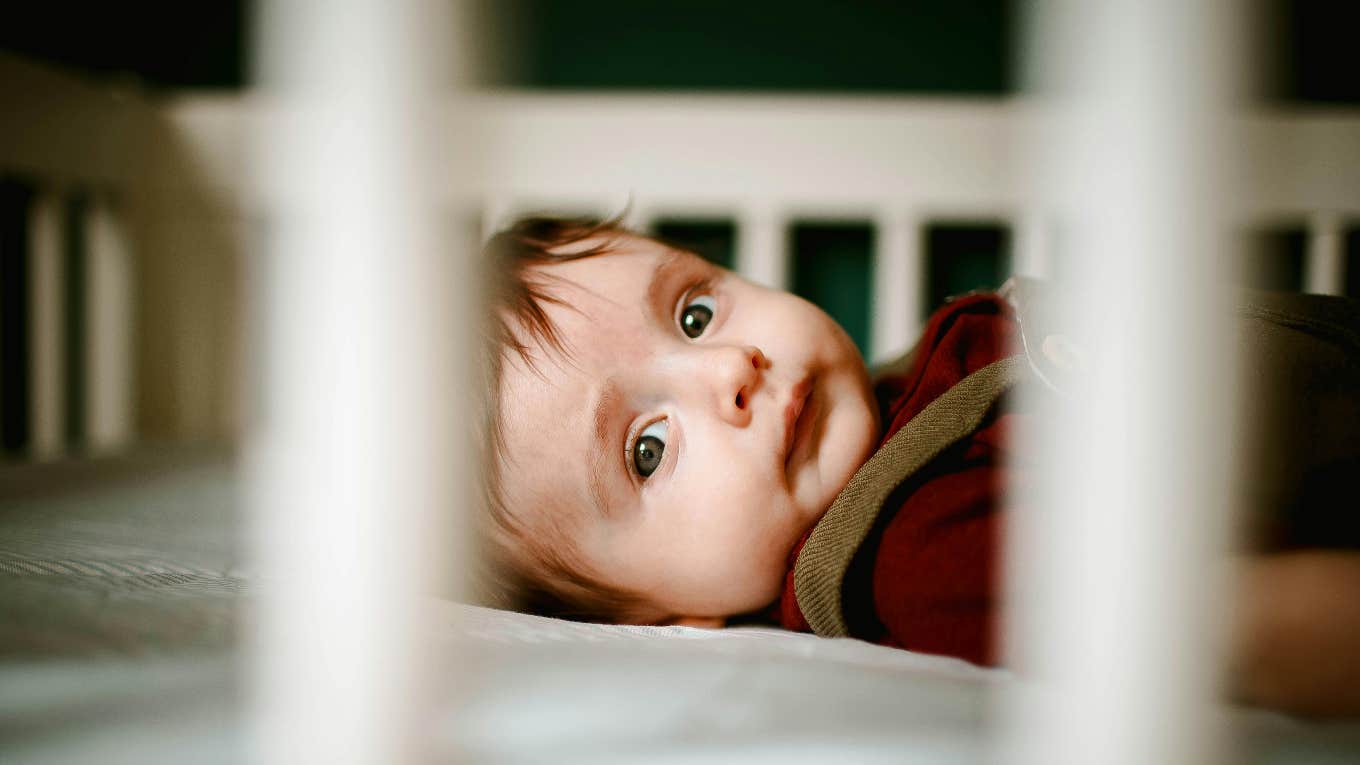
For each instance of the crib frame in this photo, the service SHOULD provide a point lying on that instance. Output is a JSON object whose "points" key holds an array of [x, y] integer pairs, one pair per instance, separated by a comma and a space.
{"points": [[176, 210]]}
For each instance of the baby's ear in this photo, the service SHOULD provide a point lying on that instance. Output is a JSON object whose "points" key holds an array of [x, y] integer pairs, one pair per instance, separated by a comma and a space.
{"points": [[702, 622]]}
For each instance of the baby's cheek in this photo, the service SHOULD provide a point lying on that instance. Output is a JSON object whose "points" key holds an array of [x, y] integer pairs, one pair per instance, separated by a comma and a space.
{"points": [[769, 582], [766, 563]]}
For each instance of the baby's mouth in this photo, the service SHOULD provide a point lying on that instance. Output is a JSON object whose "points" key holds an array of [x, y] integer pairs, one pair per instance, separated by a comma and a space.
{"points": [[798, 416]]}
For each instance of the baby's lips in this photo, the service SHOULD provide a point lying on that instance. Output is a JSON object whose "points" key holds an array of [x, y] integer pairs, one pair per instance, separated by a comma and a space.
{"points": [[798, 396]]}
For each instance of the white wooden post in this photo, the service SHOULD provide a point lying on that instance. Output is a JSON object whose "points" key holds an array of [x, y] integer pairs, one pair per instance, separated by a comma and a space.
{"points": [[496, 214], [762, 247], [1324, 265], [899, 284], [1033, 245], [47, 325], [108, 329], [352, 459], [641, 216], [1116, 598]]}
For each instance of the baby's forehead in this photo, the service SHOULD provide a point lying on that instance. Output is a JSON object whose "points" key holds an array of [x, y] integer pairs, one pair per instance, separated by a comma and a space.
{"points": [[542, 379], [599, 312], [541, 461], [549, 387]]}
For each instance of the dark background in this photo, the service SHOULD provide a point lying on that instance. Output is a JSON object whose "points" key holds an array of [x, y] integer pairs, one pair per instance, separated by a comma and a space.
{"points": [[869, 46], [1305, 56]]}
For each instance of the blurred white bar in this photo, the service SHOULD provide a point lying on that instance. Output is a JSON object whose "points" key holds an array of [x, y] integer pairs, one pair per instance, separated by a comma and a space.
{"points": [[108, 329], [351, 453], [47, 323], [821, 156], [899, 284], [1325, 262], [640, 216], [1117, 606], [762, 247], [1033, 246], [497, 212]]}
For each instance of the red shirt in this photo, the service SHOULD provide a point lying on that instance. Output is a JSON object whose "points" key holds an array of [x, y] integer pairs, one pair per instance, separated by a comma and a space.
{"points": [[927, 577]]}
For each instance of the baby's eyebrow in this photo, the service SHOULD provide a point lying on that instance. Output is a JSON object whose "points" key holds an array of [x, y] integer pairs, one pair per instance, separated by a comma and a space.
{"points": [[658, 287], [602, 418]]}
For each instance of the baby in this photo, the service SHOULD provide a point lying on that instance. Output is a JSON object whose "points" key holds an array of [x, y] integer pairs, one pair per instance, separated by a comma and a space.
{"points": [[665, 435], [666, 430]]}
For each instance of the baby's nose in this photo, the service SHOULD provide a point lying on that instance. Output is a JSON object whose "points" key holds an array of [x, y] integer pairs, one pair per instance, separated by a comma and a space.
{"points": [[737, 372]]}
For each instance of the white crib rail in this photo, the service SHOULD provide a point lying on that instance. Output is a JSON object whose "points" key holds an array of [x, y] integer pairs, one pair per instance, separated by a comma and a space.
{"points": [[764, 162]]}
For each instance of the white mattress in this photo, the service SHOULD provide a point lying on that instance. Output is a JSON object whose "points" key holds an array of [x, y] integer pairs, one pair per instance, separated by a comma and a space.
{"points": [[548, 690], [116, 647]]}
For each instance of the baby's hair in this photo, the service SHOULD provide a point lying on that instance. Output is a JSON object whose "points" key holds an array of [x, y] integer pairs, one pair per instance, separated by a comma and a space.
{"points": [[524, 571]]}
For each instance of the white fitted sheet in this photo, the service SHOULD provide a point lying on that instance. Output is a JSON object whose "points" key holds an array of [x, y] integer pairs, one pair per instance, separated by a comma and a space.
{"points": [[117, 646]]}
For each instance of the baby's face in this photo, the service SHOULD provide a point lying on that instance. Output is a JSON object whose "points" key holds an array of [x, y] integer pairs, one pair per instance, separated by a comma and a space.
{"points": [[700, 425]]}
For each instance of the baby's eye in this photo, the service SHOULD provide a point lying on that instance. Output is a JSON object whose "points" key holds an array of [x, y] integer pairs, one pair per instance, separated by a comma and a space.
{"points": [[697, 314], [651, 444]]}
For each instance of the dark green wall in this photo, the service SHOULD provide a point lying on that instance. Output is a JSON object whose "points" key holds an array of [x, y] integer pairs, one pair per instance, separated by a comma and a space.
{"points": [[961, 46], [1306, 47], [833, 268]]}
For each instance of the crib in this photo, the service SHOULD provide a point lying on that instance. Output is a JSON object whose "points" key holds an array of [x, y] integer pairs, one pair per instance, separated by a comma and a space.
{"points": [[127, 302], [178, 186]]}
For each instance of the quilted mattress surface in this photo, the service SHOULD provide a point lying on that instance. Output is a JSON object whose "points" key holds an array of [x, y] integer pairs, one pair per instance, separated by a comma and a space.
{"points": [[121, 603]]}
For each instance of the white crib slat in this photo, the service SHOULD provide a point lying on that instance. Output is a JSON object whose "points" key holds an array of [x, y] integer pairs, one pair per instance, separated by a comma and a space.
{"points": [[899, 285], [1324, 266], [354, 471], [496, 215], [1116, 582], [762, 247], [47, 325], [1033, 246], [108, 314], [640, 217]]}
